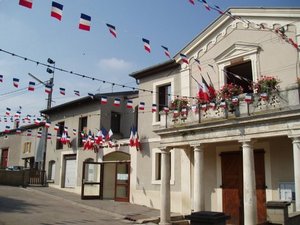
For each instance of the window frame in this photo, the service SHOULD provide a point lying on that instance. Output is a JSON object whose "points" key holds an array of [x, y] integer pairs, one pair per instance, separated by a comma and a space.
{"points": [[60, 131], [81, 128]]}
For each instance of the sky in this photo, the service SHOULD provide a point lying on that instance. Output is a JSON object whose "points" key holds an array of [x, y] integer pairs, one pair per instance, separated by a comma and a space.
{"points": [[33, 34]]}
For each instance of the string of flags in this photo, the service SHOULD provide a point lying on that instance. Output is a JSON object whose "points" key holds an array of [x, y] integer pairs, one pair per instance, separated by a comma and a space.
{"points": [[85, 23]]}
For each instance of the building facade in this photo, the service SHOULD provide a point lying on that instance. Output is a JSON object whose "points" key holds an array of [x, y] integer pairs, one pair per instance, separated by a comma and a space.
{"points": [[228, 154]]}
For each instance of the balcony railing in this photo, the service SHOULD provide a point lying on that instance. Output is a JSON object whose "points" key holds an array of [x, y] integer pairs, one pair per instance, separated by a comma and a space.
{"points": [[284, 100]]}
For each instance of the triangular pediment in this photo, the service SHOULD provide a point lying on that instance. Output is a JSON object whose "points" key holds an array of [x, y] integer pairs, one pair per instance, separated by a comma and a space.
{"points": [[237, 50]]}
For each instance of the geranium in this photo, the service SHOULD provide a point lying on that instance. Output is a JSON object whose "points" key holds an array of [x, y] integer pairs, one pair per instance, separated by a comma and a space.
{"points": [[229, 90], [179, 104], [266, 85]]}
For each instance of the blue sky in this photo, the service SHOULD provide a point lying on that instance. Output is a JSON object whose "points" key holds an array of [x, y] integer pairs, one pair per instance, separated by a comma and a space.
{"points": [[34, 34]]}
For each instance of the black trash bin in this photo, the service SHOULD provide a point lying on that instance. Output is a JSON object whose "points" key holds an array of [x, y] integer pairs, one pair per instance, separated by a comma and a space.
{"points": [[207, 218]]}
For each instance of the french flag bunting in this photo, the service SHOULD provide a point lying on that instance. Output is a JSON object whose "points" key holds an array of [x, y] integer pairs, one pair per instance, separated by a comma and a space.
{"points": [[39, 134], [206, 5], [109, 135], [142, 106], [248, 98], [131, 138], [65, 129], [56, 127], [85, 22], [62, 91], [76, 92], [8, 110], [192, 2], [38, 121], [29, 132], [17, 114], [217, 8], [26, 3], [1, 78], [112, 29], [49, 136], [166, 109], [103, 99], [74, 132], [129, 104], [57, 10], [47, 124], [184, 58], [18, 131], [146, 45], [31, 86], [48, 88], [154, 108], [166, 50], [7, 128], [117, 102], [16, 82]]}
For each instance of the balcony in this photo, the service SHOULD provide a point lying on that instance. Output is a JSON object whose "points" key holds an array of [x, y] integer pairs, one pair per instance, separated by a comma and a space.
{"points": [[285, 100]]}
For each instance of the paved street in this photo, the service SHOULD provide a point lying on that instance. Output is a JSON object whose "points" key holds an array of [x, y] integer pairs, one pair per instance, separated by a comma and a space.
{"points": [[27, 206]]}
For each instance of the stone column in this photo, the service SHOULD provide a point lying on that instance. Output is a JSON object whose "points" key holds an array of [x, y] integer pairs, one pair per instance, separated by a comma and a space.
{"points": [[296, 152], [198, 178], [250, 205], [165, 194]]}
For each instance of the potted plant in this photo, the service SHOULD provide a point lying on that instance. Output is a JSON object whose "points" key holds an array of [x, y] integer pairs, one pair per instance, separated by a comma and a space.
{"points": [[266, 86], [180, 107]]}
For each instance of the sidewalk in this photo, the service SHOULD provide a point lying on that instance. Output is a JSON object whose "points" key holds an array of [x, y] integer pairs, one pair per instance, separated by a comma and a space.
{"points": [[137, 213]]}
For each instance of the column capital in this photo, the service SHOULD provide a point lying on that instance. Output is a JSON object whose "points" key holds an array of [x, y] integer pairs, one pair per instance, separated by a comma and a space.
{"points": [[165, 149], [295, 138], [196, 145]]}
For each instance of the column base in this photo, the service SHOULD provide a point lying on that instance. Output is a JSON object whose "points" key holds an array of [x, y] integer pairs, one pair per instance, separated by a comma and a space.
{"points": [[165, 223]]}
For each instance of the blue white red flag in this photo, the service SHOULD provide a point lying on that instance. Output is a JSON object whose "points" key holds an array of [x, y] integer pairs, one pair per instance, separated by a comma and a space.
{"points": [[62, 91], [16, 82], [85, 22], [48, 88], [103, 99], [7, 128], [206, 5], [166, 109], [17, 114], [66, 129], [76, 92], [112, 29], [31, 86], [38, 121], [49, 136], [131, 138], [146, 45], [74, 132], [8, 110], [217, 8], [47, 124], [129, 104], [1, 78], [154, 108], [192, 2], [56, 127], [18, 131], [26, 3], [29, 132], [39, 134], [117, 102], [142, 106], [198, 64], [57, 10], [184, 58], [166, 50]]}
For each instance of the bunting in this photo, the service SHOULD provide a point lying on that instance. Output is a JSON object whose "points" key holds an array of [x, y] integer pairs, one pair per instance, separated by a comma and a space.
{"points": [[16, 82], [184, 58], [26, 3], [62, 91], [166, 51], [129, 104], [57, 10], [117, 102], [1, 78], [31, 86], [147, 45], [112, 30], [85, 22], [103, 99]]}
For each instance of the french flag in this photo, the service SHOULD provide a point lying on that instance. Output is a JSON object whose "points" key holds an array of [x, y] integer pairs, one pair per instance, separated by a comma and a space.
{"points": [[167, 53], [76, 93], [198, 64], [62, 91], [117, 102], [56, 10], [49, 136], [56, 127], [29, 132], [154, 108], [47, 124], [192, 2], [85, 22], [166, 109], [48, 88], [8, 110], [31, 86], [38, 121], [7, 128], [146, 45], [16, 82], [74, 132], [112, 29], [39, 134], [103, 99], [184, 58], [142, 106], [248, 98], [129, 104], [26, 3], [1, 78], [206, 5], [18, 131]]}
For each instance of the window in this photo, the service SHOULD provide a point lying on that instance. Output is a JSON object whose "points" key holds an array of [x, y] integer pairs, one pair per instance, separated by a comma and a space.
{"points": [[115, 122], [27, 147], [287, 191], [4, 158], [51, 173], [164, 97], [157, 165], [60, 131], [82, 128], [240, 74]]}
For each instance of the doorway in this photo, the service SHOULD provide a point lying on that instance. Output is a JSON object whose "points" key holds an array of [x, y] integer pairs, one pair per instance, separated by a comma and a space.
{"points": [[232, 186]]}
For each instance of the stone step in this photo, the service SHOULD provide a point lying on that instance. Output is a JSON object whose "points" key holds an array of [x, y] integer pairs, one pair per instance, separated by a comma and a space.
{"points": [[180, 222]]}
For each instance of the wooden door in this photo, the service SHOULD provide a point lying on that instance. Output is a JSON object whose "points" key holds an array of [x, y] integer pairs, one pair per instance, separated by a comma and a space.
{"points": [[232, 184], [4, 158]]}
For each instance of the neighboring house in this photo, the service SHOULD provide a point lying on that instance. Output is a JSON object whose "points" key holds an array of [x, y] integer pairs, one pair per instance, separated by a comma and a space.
{"points": [[22, 147], [104, 175], [218, 160]]}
